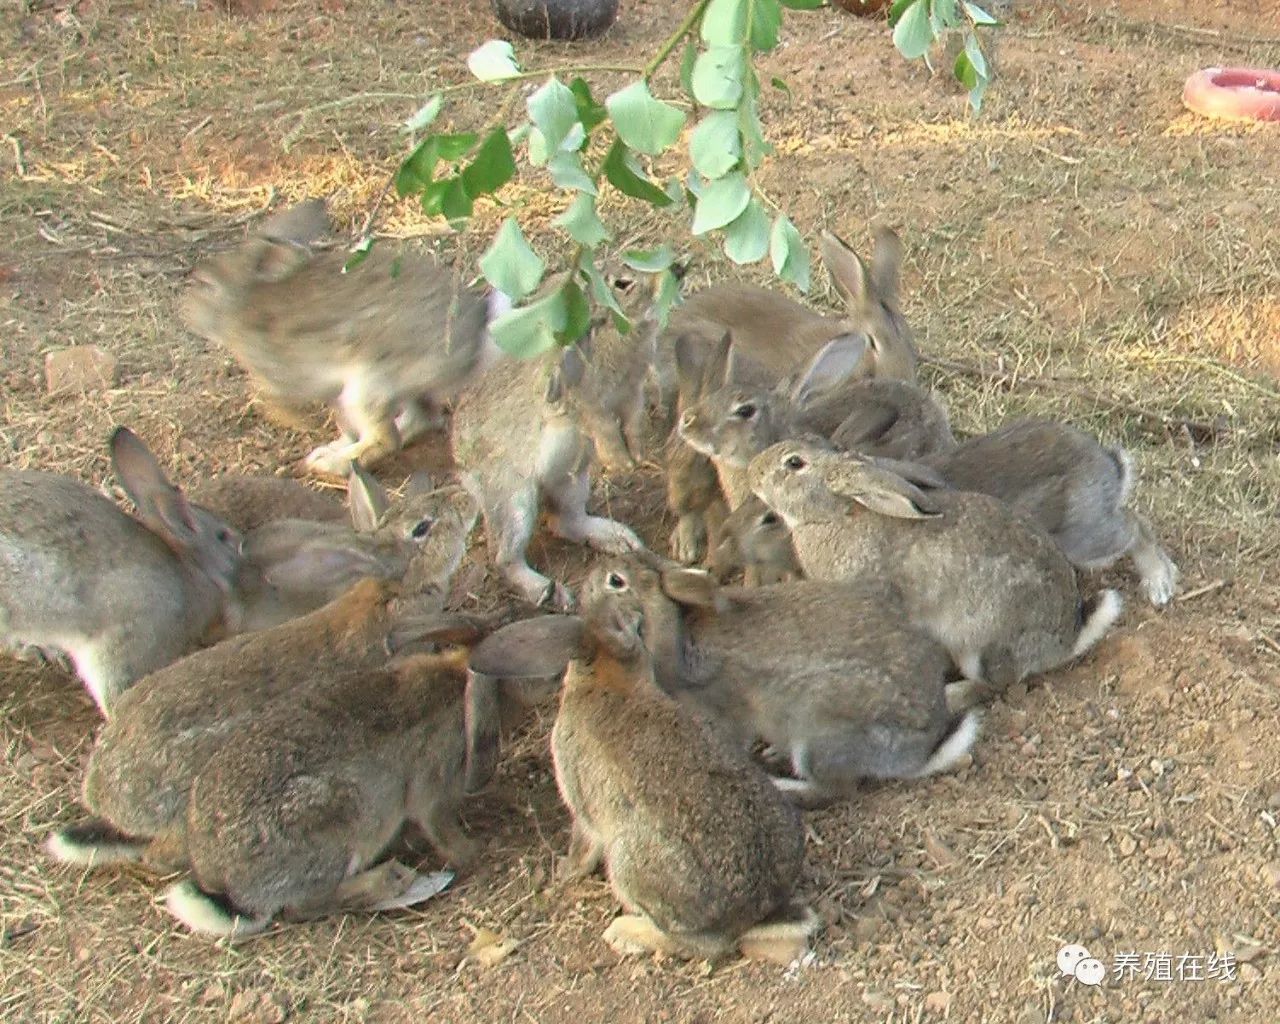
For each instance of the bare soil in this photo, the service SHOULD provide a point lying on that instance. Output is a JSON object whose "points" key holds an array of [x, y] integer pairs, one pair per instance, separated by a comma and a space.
{"points": [[1085, 248]]}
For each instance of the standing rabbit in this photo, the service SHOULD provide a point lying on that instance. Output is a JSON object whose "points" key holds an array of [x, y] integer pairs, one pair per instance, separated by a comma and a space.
{"points": [[701, 851], [989, 585], [120, 596], [525, 436], [167, 727], [1072, 486], [382, 343]]}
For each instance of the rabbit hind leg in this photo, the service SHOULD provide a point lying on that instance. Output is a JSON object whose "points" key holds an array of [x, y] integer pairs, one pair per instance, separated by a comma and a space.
{"points": [[369, 430], [571, 521]]}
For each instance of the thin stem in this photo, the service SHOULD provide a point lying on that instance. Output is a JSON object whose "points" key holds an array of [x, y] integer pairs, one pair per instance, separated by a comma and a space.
{"points": [[691, 19]]}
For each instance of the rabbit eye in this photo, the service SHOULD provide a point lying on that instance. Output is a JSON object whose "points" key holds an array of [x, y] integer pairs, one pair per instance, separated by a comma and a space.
{"points": [[623, 284], [795, 462], [745, 411], [769, 519], [616, 581], [421, 529]]}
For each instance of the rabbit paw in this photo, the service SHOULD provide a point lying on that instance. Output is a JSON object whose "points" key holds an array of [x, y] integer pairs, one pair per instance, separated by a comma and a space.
{"points": [[1161, 583], [331, 460], [631, 935], [689, 540], [612, 538]]}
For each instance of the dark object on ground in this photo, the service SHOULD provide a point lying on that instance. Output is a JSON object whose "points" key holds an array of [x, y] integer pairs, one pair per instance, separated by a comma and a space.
{"points": [[862, 7], [556, 19]]}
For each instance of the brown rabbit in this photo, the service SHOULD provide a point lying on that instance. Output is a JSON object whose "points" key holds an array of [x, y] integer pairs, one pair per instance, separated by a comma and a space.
{"points": [[700, 849], [755, 541], [246, 501], [146, 758], [383, 343]]}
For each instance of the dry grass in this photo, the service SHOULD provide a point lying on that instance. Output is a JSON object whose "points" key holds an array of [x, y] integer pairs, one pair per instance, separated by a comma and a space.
{"points": [[1086, 249]]}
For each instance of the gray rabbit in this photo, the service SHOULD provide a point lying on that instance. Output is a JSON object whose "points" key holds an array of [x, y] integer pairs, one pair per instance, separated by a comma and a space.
{"points": [[120, 596], [988, 584]]}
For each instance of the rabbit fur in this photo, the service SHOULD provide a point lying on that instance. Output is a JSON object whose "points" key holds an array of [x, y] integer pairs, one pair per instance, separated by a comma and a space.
{"points": [[120, 596], [148, 755], [988, 584], [383, 343]]}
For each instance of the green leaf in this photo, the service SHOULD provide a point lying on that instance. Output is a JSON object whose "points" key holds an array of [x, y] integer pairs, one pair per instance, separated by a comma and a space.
{"points": [[781, 86], [896, 9], [624, 173], [454, 147], [414, 174], [804, 5], [687, 60], [554, 110], [509, 264], [601, 289], [755, 146], [973, 50], [747, 238], [492, 167], [433, 197], [359, 253], [720, 203], [456, 204], [724, 22], [913, 35], [577, 314], [766, 19], [567, 172], [668, 294], [426, 113], [715, 145], [528, 331], [644, 123], [717, 77], [980, 16], [789, 253], [649, 261], [590, 113], [964, 70], [582, 223], [493, 61]]}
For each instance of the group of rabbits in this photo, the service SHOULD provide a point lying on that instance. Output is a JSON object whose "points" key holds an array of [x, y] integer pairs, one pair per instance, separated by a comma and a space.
{"points": [[285, 691]]}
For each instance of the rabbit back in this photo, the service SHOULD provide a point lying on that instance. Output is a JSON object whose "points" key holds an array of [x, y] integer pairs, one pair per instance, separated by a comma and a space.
{"points": [[314, 788], [694, 836], [246, 501]]}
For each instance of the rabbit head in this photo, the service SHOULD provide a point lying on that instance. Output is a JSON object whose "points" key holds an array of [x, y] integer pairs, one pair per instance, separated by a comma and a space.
{"points": [[195, 536], [280, 245], [755, 538], [805, 482], [419, 539], [871, 296], [732, 421]]}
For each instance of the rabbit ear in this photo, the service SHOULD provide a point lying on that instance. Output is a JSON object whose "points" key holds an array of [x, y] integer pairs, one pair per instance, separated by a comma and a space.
{"points": [[161, 506], [695, 587], [367, 499], [848, 273], [886, 265], [913, 472], [301, 556], [420, 482], [301, 224], [832, 366], [529, 649], [689, 366], [883, 492], [718, 370]]}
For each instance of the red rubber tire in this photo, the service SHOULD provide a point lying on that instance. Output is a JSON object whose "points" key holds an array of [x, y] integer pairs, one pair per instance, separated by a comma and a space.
{"points": [[1247, 94]]}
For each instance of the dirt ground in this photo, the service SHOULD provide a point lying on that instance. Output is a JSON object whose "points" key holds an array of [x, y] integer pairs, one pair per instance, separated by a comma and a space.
{"points": [[1086, 248]]}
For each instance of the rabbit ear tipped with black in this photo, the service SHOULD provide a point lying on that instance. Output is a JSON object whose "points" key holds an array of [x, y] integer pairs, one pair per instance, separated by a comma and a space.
{"points": [[884, 492], [160, 504]]}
